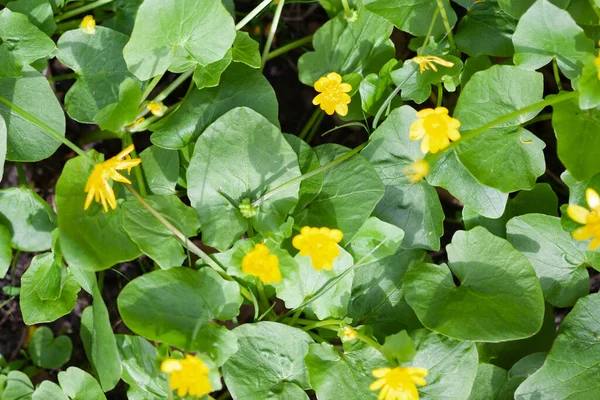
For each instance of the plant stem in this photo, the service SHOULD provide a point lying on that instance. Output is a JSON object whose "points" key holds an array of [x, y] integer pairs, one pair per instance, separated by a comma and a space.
{"points": [[446, 21], [46, 128], [143, 111], [347, 10], [272, 31], [505, 118], [21, 173], [63, 77], [314, 128], [557, 75], [289, 46], [310, 123], [312, 173], [319, 324], [390, 98], [296, 316], [139, 176], [595, 7], [81, 10], [368, 341], [429, 31], [13, 268], [142, 126], [440, 96], [150, 87], [262, 297], [253, 14], [542, 117]]}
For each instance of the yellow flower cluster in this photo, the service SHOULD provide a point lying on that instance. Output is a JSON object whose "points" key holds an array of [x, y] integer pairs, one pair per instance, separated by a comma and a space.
{"points": [[399, 383], [426, 62], [333, 94], [98, 186], [88, 25], [320, 244], [436, 128], [590, 219], [187, 376], [260, 263]]}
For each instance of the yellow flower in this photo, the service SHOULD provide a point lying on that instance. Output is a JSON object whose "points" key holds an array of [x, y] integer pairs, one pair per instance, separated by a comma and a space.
{"points": [[333, 94], [157, 109], [348, 333], [436, 128], [320, 244], [417, 171], [258, 262], [98, 186], [398, 383], [589, 218], [426, 62], [187, 376], [88, 25]]}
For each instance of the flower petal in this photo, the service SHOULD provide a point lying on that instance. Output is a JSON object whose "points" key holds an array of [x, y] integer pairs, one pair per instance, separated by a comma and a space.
{"points": [[577, 213], [378, 384], [345, 87], [592, 198], [380, 372], [334, 76], [318, 99], [341, 109]]}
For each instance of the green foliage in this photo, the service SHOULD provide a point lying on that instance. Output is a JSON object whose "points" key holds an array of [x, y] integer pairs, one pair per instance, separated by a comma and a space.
{"points": [[46, 351]]}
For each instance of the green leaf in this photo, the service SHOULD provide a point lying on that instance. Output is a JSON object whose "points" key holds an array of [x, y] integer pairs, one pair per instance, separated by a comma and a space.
{"points": [[339, 204], [26, 141], [302, 282], [98, 62], [361, 46], [307, 161], [115, 116], [219, 178], [589, 85], [489, 382], [507, 157], [140, 365], [486, 30], [495, 280], [342, 375], [523, 369], [398, 347], [49, 352], [28, 217], [240, 86], [99, 342], [516, 8], [18, 387], [574, 360], [161, 170], [452, 365], [577, 149], [103, 230], [34, 309], [49, 390], [545, 32], [79, 385], [559, 261], [207, 76], [377, 298], [245, 50], [23, 39], [472, 66], [2, 145], [413, 207], [175, 306], [39, 13], [375, 240], [5, 251], [412, 16], [153, 238], [267, 365], [124, 16], [176, 36]]}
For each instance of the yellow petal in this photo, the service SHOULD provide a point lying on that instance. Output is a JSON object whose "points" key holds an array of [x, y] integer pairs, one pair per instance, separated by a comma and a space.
{"points": [[425, 145], [592, 198], [577, 213], [318, 99], [425, 112], [378, 384], [380, 372], [334, 76], [441, 110], [453, 134], [320, 84], [583, 233], [594, 244], [345, 87], [170, 365], [341, 109]]}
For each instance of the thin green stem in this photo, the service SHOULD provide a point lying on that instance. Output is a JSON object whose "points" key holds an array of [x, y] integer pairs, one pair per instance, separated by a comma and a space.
{"points": [[320, 324], [446, 21], [150, 87], [542, 117], [368, 341], [429, 31], [82, 9], [21, 174], [346, 6], [440, 95], [296, 316], [46, 128], [312, 173], [314, 128], [174, 85], [557, 74], [263, 301], [309, 123], [389, 99], [253, 14], [505, 118], [595, 7], [13, 268], [139, 175], [142, 126], [274, 25], [62, 77], [289, 46]]}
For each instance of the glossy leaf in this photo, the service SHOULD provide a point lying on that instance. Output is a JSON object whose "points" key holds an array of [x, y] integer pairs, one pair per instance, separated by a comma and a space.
{"points": [[161, 170], [5, 251], [80, 385], [49, 352], [375, 240], [39, 13]]}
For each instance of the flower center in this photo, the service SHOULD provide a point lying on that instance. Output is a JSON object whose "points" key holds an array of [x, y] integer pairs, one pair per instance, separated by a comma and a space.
{"points": [[398, 379], [436, 125], [332, 91]]}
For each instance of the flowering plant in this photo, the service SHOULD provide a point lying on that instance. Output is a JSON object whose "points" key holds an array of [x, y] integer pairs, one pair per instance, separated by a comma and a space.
{"points": [[430, 218]]}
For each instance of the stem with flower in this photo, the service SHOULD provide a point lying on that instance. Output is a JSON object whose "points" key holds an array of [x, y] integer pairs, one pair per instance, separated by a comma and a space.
{"points": [[272, 31], [253, 14], [81, 10], [446, 21]]}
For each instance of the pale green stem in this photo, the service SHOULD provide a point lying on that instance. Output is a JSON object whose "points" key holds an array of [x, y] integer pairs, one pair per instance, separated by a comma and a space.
{"points": [[253, 14], [429, 31], [346, 6], [165, 93], [63, 77], [46, 128], [320, 324], [81, 10], [389, 99], [446, 21], [289, 46], [151, 87], [440, 94], [274, 25], [310, 123], [139, 176], [595, 7], [556, 74], [312, 173], [315, 127]]}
